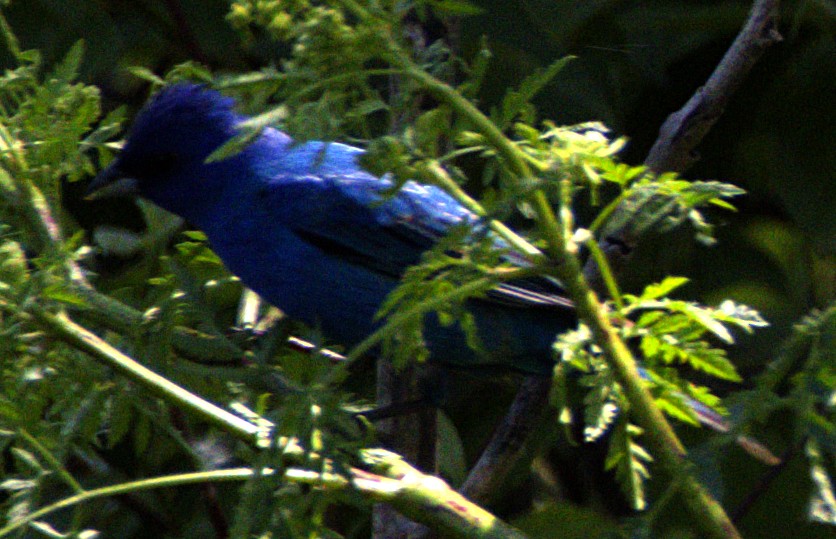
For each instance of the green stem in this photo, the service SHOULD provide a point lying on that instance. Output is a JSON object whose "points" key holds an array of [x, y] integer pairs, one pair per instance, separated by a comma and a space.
{"points": [[236, 474], [441, 178], [605, 213], [606, 273], [353, 75], [417, 495], [79, 337], [11, 39], [669, 451], [666, 447], [515, 159], [424, 498], [420, 309], [53, 462]]}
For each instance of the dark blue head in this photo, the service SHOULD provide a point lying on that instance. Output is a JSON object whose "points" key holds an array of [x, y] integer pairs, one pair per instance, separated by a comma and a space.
{"points": [[164, 157]]}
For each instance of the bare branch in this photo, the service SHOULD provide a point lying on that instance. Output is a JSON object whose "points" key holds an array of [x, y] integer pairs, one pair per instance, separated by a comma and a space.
{"points": [[685, 128], [426, 498], [410, 435], [505, 448], [682, 132], [509, 440]]}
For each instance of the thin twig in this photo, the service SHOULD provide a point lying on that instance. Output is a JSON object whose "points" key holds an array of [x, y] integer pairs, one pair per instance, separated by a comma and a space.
{"points": [[428, 499], [79, 337], [766, 481], [682, 132], [509, 440], [685, 129], [391, 480], [505, 447], [404, 434]]}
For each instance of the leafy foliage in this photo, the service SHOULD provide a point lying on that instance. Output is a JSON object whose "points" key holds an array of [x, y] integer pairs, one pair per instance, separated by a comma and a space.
{"points": [[46, 134], [453, 263], [628, 459], [58, 404], [345, 78], [667, 331], [325, 81], [812, 398]]}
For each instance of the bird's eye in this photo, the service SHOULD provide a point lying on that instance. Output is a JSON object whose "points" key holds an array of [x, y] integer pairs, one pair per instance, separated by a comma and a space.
{"points": [[153, 167], [160, 164]]}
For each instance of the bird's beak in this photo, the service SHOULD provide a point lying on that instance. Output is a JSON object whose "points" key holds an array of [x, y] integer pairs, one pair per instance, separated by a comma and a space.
{"points": [[112, 183]]}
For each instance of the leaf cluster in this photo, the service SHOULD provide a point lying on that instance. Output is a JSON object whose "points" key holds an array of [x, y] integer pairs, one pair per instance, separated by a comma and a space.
{"points": [[59, 407], [801, 381], [667, 332], [460, 261]]}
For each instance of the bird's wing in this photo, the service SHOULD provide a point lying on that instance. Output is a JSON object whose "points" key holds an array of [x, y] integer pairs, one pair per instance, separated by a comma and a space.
{"points": [[350, 216], [347, 217]]}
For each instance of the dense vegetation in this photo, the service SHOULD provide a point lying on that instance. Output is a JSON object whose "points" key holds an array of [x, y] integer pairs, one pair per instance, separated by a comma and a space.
{"points": [[481, 99]]}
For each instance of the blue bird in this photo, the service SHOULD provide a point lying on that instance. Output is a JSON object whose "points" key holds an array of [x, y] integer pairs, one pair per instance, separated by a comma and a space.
{"points": [[309, 230]]}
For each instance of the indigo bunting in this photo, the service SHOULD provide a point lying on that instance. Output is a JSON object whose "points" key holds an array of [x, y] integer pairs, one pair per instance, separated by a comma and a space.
{"points": [[309, 230]]}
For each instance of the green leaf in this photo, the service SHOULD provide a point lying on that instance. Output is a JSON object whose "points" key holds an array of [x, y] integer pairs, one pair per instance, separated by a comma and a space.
{"points": [[62, 294], [706, 319], [118, 241], [517, 101], [13, 265], [45, 528], [195, 235], [452, 461], [67, 70], [189, 71], [16, 485], [142, 434], [146, 74], [665, 202], [648, 318], [601, 403], [120, 418], [823, 502], [272, 117], [368, 106], [675, 406], [430, 127], [668, 285], [740, 315], [234, 146], [712, 361], [27, 459], [161, 225], [628, 459]]}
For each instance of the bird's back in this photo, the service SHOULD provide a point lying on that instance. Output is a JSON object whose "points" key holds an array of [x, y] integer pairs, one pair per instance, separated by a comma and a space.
{"points": [[327, 243]]}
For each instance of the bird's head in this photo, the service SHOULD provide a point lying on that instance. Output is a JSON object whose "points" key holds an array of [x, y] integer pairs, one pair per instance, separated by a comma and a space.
{"points": [[164, 157]]}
